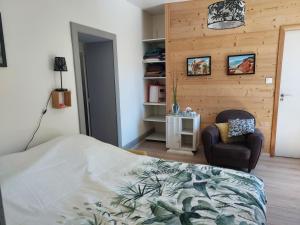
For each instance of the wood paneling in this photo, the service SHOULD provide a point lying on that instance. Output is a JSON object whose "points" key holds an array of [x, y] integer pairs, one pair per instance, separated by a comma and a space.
{"points": [[187, 36]]}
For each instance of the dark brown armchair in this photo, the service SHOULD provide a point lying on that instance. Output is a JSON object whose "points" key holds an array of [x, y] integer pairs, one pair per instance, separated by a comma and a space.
{"points": [[242, 155]]}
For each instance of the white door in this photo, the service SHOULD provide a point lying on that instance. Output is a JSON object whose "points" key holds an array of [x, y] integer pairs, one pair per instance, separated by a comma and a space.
{"points": [[288, 124]]}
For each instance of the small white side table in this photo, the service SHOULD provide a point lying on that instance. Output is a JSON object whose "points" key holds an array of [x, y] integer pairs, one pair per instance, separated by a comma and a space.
{"points": [[182, 134]]}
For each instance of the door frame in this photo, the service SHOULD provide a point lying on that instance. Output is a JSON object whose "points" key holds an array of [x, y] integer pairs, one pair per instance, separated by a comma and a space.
{"points": [[75, 30], [282, 31]]}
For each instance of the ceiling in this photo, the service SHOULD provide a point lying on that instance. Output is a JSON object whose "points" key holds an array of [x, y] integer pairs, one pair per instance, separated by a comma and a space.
{"points": [[152, 6]]}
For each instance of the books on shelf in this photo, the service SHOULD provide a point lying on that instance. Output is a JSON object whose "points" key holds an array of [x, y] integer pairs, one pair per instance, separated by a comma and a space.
{"points": [[155, 70], [155, 55], [157, 93]]}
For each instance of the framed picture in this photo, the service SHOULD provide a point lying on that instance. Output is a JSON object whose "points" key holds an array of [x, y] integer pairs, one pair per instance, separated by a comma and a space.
{"points": [[3, 62], [241, 64], [199, 66]]}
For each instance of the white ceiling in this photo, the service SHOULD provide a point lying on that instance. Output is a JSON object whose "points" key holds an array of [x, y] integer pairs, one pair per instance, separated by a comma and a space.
{"points": [[146, 4], [152, 6]]}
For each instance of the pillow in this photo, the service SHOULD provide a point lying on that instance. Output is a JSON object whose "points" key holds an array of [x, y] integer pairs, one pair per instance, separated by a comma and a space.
{"points": [[239, 127], [223, 129]]}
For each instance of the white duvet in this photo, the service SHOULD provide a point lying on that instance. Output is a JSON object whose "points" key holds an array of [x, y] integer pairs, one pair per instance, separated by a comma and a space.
{"points": [[43, 185], [78, 180]]}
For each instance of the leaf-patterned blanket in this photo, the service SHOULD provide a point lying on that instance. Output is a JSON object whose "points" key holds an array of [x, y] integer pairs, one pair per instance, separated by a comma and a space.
{"points": [[80, 181]]}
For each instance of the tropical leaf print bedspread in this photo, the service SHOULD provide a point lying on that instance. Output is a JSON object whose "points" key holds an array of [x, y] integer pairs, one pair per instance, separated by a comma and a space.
{"points": [[78, 180], [172, 193]]}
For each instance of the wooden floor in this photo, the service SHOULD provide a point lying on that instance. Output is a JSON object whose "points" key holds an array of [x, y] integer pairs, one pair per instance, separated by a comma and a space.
{"points": [[281, 177]]}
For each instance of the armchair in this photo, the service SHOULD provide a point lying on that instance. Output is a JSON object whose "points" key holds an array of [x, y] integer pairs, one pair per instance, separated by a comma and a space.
{"points": [[243, 155]]}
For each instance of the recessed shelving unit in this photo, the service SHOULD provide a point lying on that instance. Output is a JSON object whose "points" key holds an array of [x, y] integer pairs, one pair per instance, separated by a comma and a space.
{"points": [[154, 39]]}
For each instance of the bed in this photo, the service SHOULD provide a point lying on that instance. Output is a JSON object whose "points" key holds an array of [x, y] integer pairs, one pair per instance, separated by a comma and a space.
{"points": [[78, 180]]}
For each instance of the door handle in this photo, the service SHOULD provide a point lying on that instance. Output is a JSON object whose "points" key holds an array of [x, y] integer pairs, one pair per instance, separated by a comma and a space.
{"points": [[284, 95]]}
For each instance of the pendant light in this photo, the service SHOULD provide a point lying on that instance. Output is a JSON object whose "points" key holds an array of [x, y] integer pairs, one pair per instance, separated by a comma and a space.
{"points": [[226, 14]]}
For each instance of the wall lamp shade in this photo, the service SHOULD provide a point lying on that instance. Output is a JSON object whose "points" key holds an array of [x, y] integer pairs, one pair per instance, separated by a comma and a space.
{"points": [[60, 64], [226, 14]]}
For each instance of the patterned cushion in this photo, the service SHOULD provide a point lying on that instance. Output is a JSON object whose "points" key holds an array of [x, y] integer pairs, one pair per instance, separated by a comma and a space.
{"points": [[223, 129], [239, 127]]}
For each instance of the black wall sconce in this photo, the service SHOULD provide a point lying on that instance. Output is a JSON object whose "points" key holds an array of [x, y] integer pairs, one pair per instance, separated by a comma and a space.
{"points": [[61, 66], [61, 97]]}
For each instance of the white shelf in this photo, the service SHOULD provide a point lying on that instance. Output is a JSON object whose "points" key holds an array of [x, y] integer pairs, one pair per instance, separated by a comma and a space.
{"points": [[150, 62], [156, 137], [156, 118], [155, 103], [187, 132], [154, 78], [154, 40]]}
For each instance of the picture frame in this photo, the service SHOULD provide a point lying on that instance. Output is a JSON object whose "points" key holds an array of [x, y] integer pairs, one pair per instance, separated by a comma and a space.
{"points": [[3, 62], [243, 64], [199, 66]]}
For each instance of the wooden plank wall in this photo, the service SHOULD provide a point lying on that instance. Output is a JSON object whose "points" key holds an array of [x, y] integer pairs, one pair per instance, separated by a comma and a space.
{"points": [[187, 36]]}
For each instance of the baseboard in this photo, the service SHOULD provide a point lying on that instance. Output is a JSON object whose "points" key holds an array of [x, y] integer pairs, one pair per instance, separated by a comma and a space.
{"points": [[266, 154], [133, 143]]}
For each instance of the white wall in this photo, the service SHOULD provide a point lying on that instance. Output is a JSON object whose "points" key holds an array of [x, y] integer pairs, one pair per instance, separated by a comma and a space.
{"points": [[37, 30]]}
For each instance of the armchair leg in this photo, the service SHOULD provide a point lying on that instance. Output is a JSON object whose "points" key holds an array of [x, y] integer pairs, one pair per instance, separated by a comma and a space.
{"points": [[249, 170]]}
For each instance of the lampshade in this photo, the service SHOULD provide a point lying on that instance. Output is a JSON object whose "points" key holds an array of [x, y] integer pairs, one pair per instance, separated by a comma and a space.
{"points": [[226, 14], [60, 64]]}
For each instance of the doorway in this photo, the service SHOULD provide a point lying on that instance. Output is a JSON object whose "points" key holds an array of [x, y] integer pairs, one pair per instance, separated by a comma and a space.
{"points": [[288, 94], [95, 64]]}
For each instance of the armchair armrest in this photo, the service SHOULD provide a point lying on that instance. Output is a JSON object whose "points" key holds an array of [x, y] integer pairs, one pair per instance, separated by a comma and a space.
{"points": [[254, 142], [210, 136]]}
